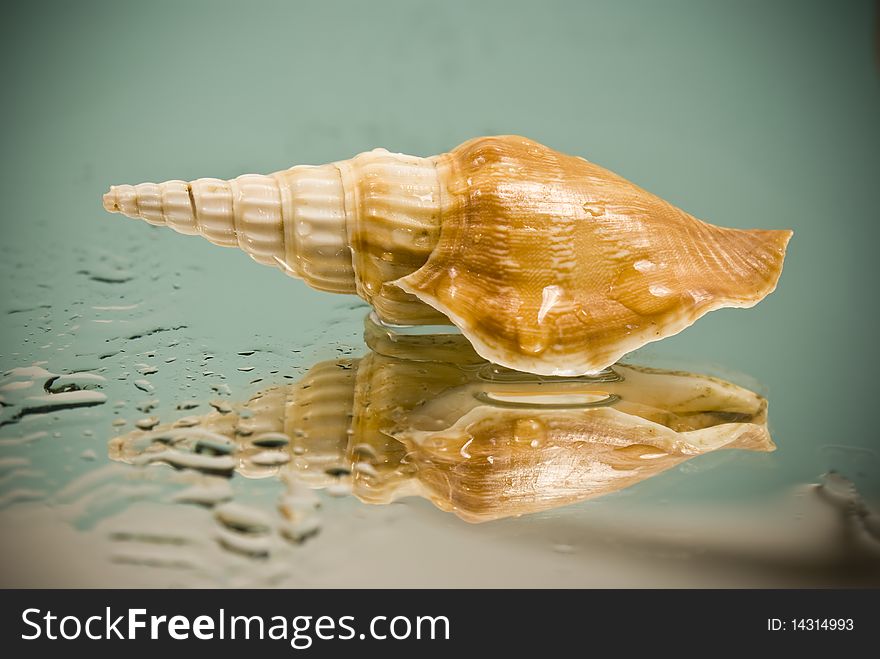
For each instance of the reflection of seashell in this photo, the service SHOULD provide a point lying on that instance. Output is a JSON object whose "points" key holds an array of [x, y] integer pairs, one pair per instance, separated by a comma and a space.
{"points": [[475, 438], [546, 262]]}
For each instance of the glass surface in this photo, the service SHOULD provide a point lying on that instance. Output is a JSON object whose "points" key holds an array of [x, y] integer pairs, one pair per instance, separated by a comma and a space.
{"points": [[746, 115]]}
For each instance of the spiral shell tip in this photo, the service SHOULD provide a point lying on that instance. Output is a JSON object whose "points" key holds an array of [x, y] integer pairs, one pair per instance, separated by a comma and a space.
{"points": [[109, 199]]}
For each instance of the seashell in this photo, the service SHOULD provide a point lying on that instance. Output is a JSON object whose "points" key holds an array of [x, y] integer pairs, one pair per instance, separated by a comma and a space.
{"points": [[547, 263], [477, 439]]}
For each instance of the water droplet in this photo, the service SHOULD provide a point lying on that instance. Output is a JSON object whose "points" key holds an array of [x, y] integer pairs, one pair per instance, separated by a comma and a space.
{"points": [[533, 341], [147, 423], [528, 431], [594, 209], [270, 458], [221, 406], [243, 518], [271, 440]]}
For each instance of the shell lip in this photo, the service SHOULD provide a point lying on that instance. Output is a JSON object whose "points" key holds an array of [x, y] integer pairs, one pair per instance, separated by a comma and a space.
{"points": [[578, 364], [486, 351], [567, 365]]}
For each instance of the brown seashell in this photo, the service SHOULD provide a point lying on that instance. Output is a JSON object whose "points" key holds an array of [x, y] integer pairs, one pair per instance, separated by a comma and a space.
{"points": [[547, 263]]}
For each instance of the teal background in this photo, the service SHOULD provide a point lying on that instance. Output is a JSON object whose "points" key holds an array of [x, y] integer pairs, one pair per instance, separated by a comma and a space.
{"points": [[746, 114]]}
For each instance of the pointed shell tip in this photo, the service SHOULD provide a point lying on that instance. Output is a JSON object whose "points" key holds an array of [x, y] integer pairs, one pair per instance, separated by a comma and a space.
{"points": [[109, 200]]}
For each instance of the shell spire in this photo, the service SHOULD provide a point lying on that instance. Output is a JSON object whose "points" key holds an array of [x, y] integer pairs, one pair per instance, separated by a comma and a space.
{"points": [[250, 212], [376, 215], [546, 262]]}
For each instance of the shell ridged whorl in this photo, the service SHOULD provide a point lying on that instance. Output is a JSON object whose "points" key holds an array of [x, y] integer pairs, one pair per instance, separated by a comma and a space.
{"points": [[546, 262], [376, 215]]}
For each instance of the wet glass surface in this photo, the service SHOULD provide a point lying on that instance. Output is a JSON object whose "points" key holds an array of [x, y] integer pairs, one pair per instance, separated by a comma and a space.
{"points": [[151, 433]]}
